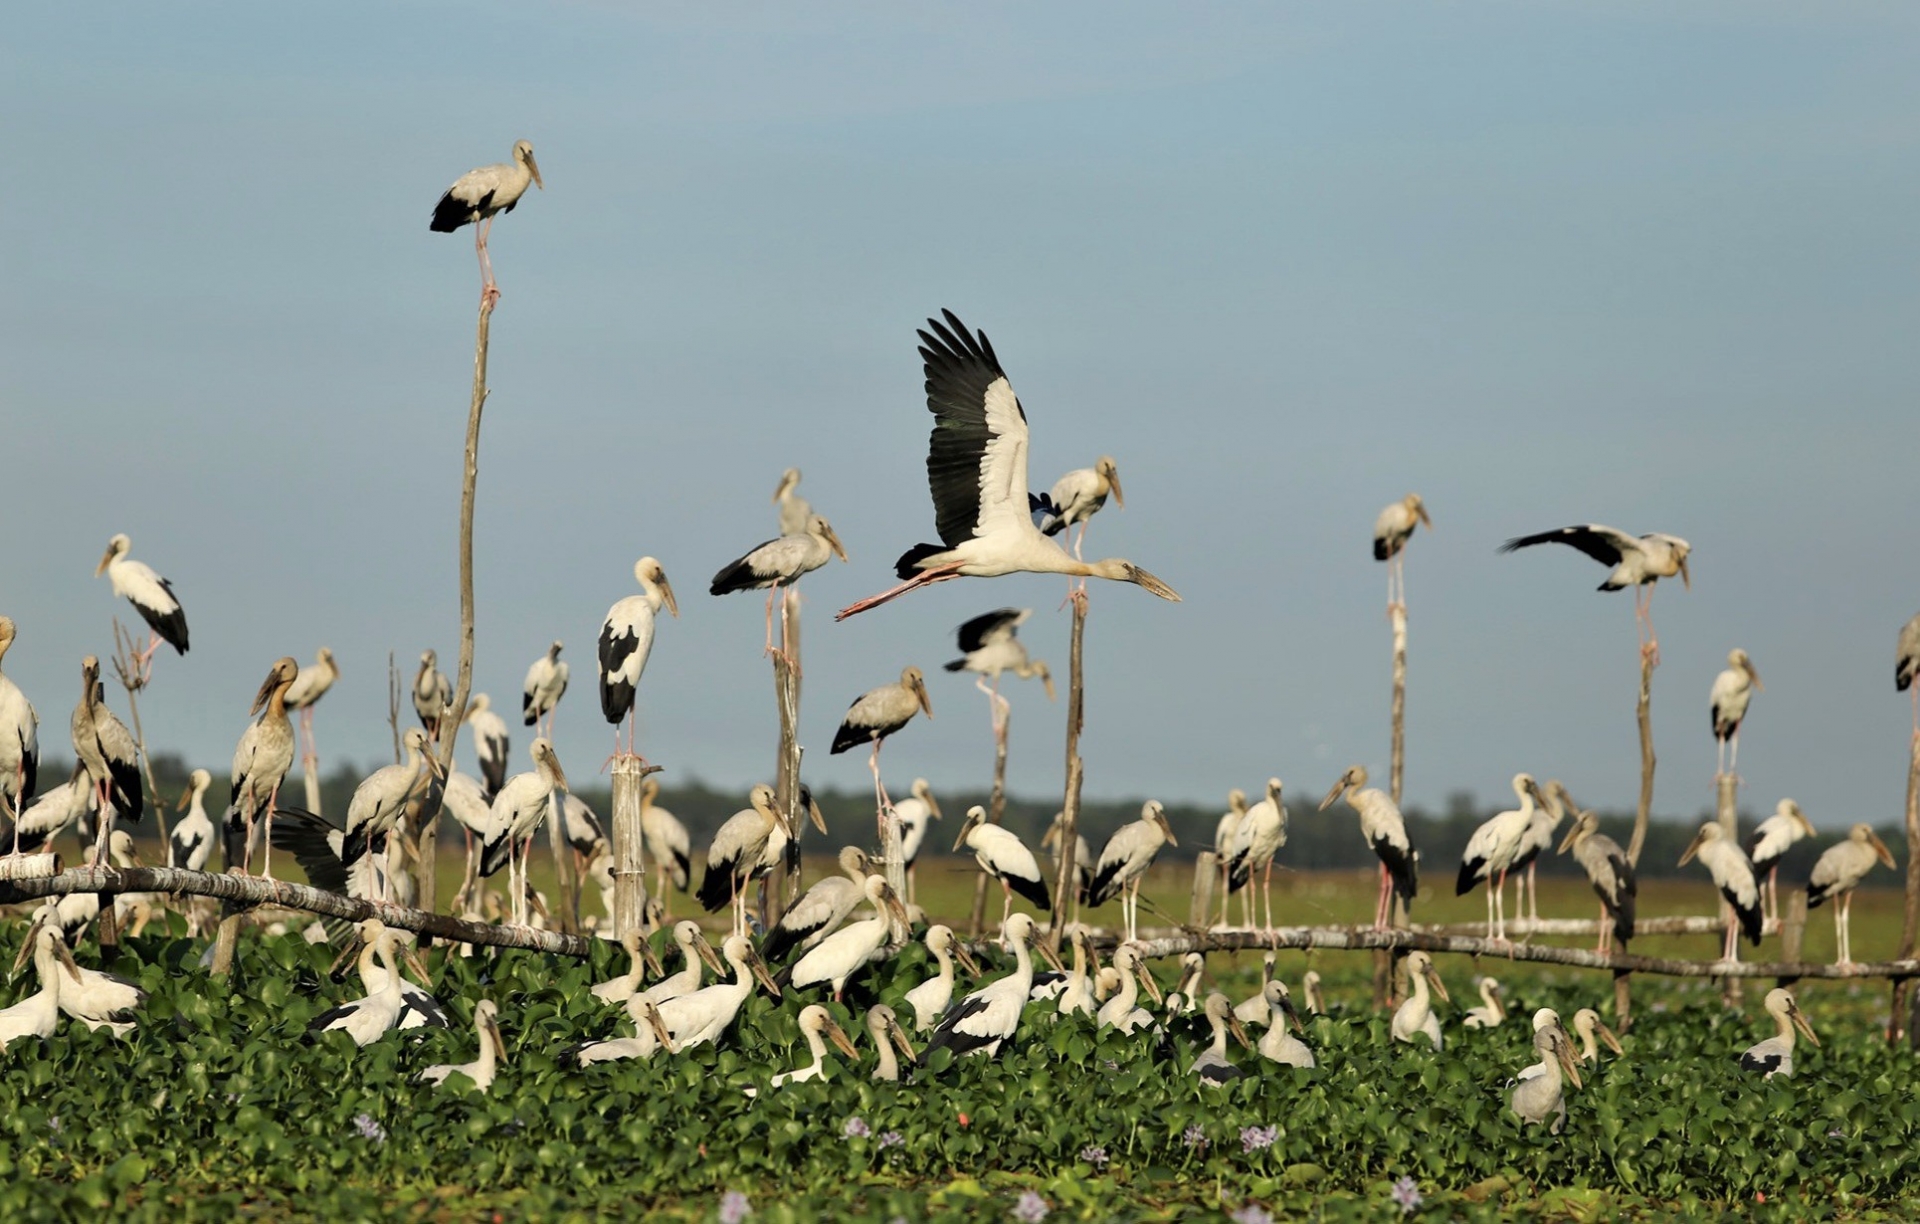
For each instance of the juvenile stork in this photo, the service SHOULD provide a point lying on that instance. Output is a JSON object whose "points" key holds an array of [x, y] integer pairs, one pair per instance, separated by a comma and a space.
{"points": [[1416, 1015], [1636, 561], [1278, 1044], [380, 800], [1124, 861], [150, 594], [694, 951], [930, 998], [432, 693], [701, 1017], [1002, 855], [1769, 843], [545, 685], [1212, 1066], [490, 742], [1733, 876], [1122, 1009], [780, 563], [518, 811], [990, 1016], [1838, 873], [1391, 531], [736, 851], [478, 196], [1611, 875], [1386, 834], [840, 955], [493, 1052], [1538, 1097], [794, 510], [1774, 1056], [1906, 665], [1586, 1023], [977, 473], [817, 1027], [1490, 854], [1258, 835], [626, 639], [19, 739], [1732, 691], [989, 648], [1077, 496], [38, 1013], [884, 1027], [103, 745], [260, 764], [915, 813], [820, 910], [49, 815], [308, 688], [876, 714], [1490, 1013], [190, 842], [1224, 833], [668, 843]]}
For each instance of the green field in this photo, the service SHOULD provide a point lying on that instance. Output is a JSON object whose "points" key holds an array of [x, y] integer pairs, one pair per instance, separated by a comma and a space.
{"points": [[222, 1104]]}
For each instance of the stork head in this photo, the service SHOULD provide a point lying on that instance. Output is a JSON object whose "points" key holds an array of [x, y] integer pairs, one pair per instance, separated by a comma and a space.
{"points": [[197, 783], [1110, 472], [976, 816], [278, 678], [1708, 834], [1154, 813], [1417, 508], [1864, 834], [1584, 826], [1791, 810], [480, 702], [1680, 551], [89, 677], [819, 526], [1738, 660], [812, 809], [853, 862], [1236, 801], [1352, 780], [789, 481], [116, 548], [924, 793], [1119, 570], [1525, 787], [912, 680], [523, 153], [6, 634], [653, 580], [548, 763]]}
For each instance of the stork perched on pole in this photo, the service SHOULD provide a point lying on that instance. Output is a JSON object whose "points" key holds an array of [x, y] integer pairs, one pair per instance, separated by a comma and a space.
{"points": [[1386, 833], [626, 640], [546, 683], [780, 563], [1733, 876], [1391, 531], [876, 714], [1732, 691], [477, 197]]}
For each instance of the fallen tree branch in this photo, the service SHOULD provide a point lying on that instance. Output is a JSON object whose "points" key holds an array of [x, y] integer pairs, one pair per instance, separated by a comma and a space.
{"points": [[256, 890]]}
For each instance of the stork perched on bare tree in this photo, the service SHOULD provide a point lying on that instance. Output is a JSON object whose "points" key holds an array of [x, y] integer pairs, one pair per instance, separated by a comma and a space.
{"points": [[780, 563], [626, 641], [260, 765], [1386, 833], [105, 749], [150, 594], [546, 683], [477, 197], [876, 714]]}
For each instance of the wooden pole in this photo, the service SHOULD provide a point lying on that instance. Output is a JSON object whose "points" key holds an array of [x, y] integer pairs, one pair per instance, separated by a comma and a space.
{"points": [[629, 856], [1910, 929], [1397, 614], [1726, 801], [568, 910], [133, 680], [786, 760], [1070, 812], [1643, 713]]}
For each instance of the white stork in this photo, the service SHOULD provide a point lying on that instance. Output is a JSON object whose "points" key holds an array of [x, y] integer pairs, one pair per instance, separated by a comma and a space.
{"points": [[1416, 1015], [915, 814], [1224, 833], [260, 764], [701, 1017], [1002, 855], [490, 743], [379, 801], [1733, 876], [478, 196], [518, 810], [1391, 531], [49, 815], [990, 1016], [1258, 835], [780, 563], [1122, 1009], [930, 998], [1490, 1013], [1774, 1056], [1586, 1023], [1075, 497], [1554, 805], [150, 594], [794, 510], [1769, 843], [1212, 1066], [432, 693], [1490, 853], [640, 958], [694, 951], [876, 714], [626, 639], [493, 1051], [309, 687], [840, 955], [989, 648], [190, 843], [650, 1036], [102, 743], [1838, 873], [884, 1027], [1253, 1009], [668, 843], [1732, 691], [1906, 665], [1053, 842], [1536, 1098], [817, 1027], [1386, 834], [546, 683], [38, 1013], [368, 1019], [1611, 875], [1310, 987], [1636, 561], [820, 910], [1278, 1044], [19, 739], [1124, 861], [977, 473], [734, 854]]}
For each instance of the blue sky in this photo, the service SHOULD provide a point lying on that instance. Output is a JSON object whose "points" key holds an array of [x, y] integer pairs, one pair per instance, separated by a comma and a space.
{"points": [[1544, 263]]}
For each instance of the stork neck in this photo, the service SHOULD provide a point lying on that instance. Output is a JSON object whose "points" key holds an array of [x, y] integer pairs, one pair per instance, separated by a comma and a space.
{"points": [[889, 1067]]}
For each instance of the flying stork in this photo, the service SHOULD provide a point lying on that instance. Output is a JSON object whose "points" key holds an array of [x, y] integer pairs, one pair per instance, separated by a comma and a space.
{"points": [[1386, 834], [1838, 873], [1733, 876], [150, 594], [479, 195], [1391, 531], [989, 648], [626, 639], [977, 473], [1732, 691], [1636, 561], [780, 563]]}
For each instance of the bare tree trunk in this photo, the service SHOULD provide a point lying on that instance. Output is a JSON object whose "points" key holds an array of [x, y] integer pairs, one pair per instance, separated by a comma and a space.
{"points": [[996, 812], [1726, 803], [629, 855], [393, 705], [1644, 713], [1910, 929], [133, 680], [786, 761], [1383, 960], [1070, 817]]}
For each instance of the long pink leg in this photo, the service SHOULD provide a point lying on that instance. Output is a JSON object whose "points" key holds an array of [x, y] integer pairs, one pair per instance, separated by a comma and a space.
{"points": [[923, 578]]}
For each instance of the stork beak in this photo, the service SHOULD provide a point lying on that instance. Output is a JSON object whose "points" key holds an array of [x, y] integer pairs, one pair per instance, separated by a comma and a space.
{"points": [[559, 774], [666, 593], [186, 798], [1239, 1031], [920, 691], [833, 542], [1693, 847], [965, 959], [966, 827], [1607, 1038], [1686, 579], [1880, 849], [899, 1036], [1048, 955], [419, 967], [492, 1029], [814, 814], [266, 690], [659, 1026], [337, 970], [26, 948], [1753, 674], [1113, 483], [65, 954], [838, 1036], [1160, 818], [1568, 840], [1439, 987], [898, 910], [707, 954], [933, 805], [1287, 1009], [104, 561], [1150, 584], [1333, 796], [759, 968], [534, 168], [650, 960], [1564, 1049], [1794, 1013], [1421, 511]]}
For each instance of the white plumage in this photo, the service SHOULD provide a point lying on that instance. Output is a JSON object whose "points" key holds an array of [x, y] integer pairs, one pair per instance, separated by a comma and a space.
{"points": [[1002, 855], [1490, 853], [104, 746], [1386, 834], [190, 842], [1838, 873], [432, 693], [1391, 530], [626, 639], [1769, 843], [1415, 1016], [1258, 835], [1635, 561], [1125, 859], [481, 194], [368, 1019], [820, 910], [490, 742], [1727, 701], [843, 953], [780, 563], [1278, 1044], [518, 810], [694, 951], [990, 1016], [701, 1017], [931, 998], [736, 851], [915, 815], [1122, 1009], [1733, 876], [493, 1051], [884, 1027], [1212, 1066], [794, 510], [260, 764], [313, 681], [19, 738], [1536, 1098], [1490, 1013], [150, 594], [817, 1027], [1774, 1056], [668, 843], [378, 801], [38, 1013], [650, 1036], [620, 988], [1077, 496], [49, 815], [546, 683]]}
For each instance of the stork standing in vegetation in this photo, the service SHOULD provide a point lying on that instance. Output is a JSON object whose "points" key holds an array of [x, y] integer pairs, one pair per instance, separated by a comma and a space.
{"points": [[493, 1052], [626, 639], [694, 951], [1635, 561], [1253, 1009], [639, 959], [1838, 873], [931, 998], [876, 714], [1610, 874], [1258, 835], [38, 1013], [105, 748], [1416, 1015], [1733, 876], [884, 1027], [368, 1019], [990, 1016], [1002, 855], [701, 1017], [820, 910], [150, 594], [1386, 834], [545, 685], [480, 195], [1278, 1044], [1122, 1009], [1391, 531], [1212, 1066], [989, 648], [1125, 859], [915, 813], [1310, 987], [817, 1027], [736, 851], [19, 740], [1586, 1023], [1774, 1056], [977, 473], [778, 563], [1539, 1097], [1732, 691], [668, 843], [1490, 1013], [490, 743], [1770, 842], [650, 1036], [1490, 853], [260, 765], [1076, 997]]}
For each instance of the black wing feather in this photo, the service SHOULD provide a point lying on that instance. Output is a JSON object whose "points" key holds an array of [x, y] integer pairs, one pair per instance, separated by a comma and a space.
{"points": [[304, 835], [960, 366], [1583, 537], [616, 696], [949, 1036], [974, 634]]}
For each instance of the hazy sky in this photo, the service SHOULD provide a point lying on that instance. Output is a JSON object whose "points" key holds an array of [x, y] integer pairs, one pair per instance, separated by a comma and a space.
{"points": [[1637, 263]]}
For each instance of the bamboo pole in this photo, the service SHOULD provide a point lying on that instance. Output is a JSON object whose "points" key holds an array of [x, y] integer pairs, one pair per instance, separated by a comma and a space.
{"points": [[629, 855], [786, 761], [1910, 929], [1070, 812]]}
